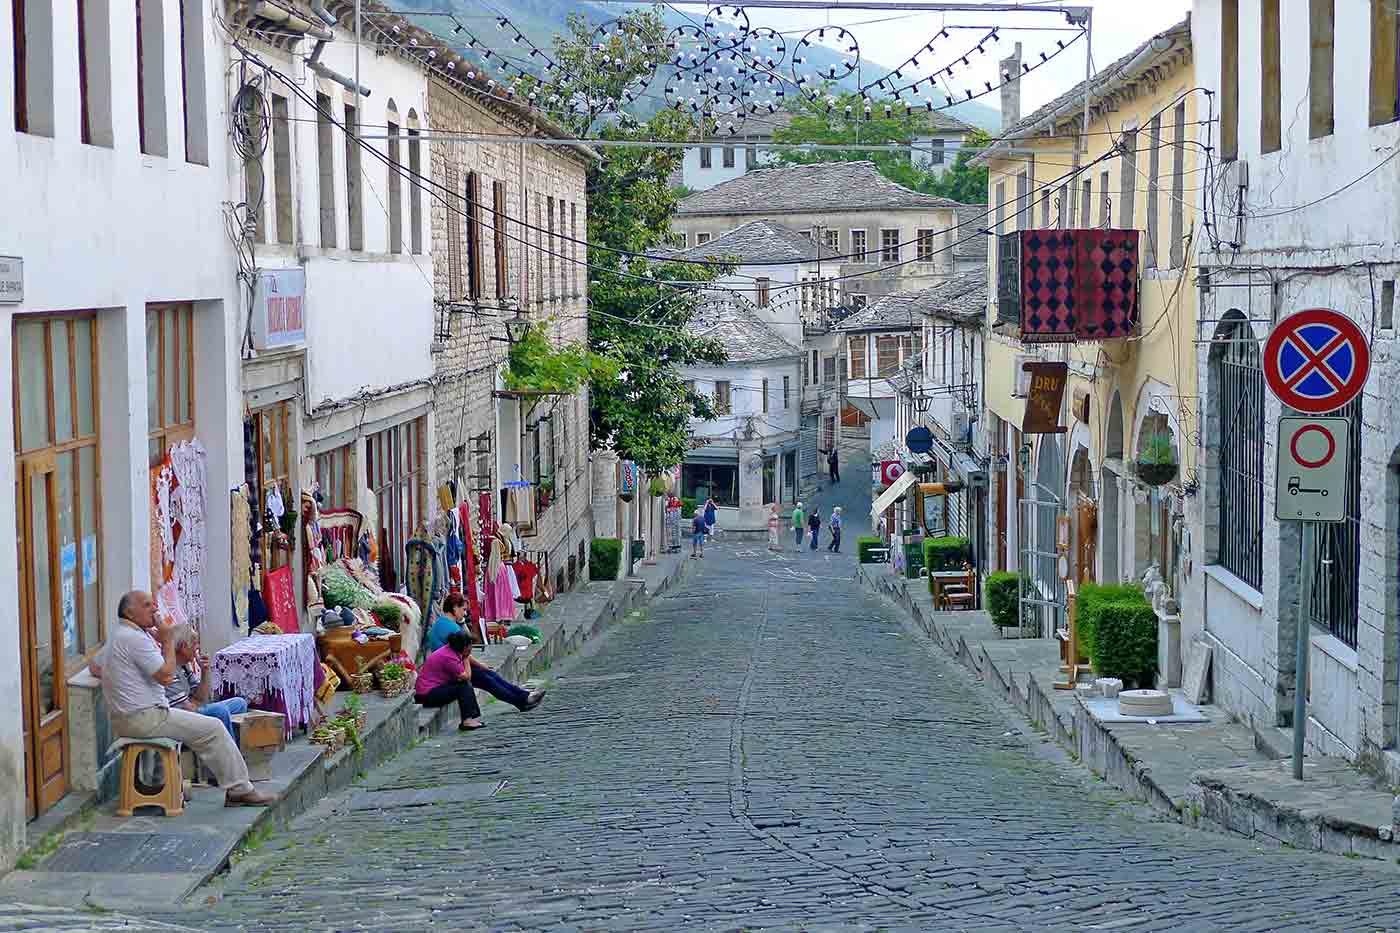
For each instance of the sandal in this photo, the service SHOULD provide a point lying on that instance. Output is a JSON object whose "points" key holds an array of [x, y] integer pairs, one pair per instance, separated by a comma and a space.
{"points": [[466, 725]]}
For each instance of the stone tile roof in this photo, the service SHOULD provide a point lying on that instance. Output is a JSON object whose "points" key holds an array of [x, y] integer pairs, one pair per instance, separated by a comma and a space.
{"points": [[745, 336], [1105, 82], [820, 187], [970, 243], [961, 298], [758, 241]]}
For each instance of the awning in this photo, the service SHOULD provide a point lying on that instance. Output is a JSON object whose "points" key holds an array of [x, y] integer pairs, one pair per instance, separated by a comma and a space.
{"points": [[888, 497], [713, 454]]}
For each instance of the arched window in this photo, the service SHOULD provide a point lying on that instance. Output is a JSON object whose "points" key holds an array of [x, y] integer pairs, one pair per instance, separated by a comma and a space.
{"points": [[1237, 390]]}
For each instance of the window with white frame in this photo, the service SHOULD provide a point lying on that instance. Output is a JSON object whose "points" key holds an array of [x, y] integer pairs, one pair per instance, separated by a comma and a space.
{"points": [[858, 250], [889, 246], [701, 239], [925, 247], [831, 239]]}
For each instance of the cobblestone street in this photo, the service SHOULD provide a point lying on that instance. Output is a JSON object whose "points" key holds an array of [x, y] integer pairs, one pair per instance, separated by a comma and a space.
{"points": [[767, 748]]}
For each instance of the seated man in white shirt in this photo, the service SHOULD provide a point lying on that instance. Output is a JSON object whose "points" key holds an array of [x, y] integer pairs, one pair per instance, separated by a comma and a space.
{"points": [[136, 666]]}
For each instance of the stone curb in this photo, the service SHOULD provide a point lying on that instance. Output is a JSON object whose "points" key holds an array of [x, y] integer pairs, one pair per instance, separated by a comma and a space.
{"points": [[1212, 801]]}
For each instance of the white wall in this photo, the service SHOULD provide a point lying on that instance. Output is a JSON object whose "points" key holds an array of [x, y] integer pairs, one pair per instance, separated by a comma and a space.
{"points": [[1336, 253], [113, 229], [746, 381], [368, 312], [921, 152], [700, 179]]}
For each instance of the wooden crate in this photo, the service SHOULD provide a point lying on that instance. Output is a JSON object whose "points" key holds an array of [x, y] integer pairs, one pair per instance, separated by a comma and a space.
{"points": [[261, 730]]}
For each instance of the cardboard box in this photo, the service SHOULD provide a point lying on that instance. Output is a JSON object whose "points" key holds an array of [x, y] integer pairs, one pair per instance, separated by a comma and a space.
{"points": [[260, 730]]}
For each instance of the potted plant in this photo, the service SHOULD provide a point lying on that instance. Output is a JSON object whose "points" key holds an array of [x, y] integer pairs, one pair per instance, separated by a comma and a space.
{"points": [[545, 489], [393, 679], [657, 486], [1156, 461]]}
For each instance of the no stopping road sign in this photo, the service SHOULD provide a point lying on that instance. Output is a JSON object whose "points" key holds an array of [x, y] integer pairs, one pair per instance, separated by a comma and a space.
{"points": [[1316, 361]]}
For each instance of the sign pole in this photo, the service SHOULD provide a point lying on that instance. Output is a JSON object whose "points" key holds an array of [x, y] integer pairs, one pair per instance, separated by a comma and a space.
{"points": [[1301, 651]]}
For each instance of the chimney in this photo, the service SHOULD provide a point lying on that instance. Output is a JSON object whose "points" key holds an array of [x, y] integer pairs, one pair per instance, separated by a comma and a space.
{"points": [[1011, 89]]}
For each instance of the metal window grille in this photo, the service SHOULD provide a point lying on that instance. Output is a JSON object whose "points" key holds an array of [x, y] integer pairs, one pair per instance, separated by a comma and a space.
{"points": [[1240, 414], [1337, 550]]}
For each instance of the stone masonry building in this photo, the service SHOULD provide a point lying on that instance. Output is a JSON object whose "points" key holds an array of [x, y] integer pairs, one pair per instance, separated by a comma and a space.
{"points": [[509, 221]]}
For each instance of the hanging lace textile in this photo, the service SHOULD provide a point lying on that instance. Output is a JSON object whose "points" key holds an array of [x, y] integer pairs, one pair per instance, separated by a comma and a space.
{"points": [[189, 462], [242, 518]]}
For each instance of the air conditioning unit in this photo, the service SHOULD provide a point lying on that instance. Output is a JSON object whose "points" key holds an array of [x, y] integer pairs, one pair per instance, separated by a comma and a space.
{"points": [[1064, 286]]}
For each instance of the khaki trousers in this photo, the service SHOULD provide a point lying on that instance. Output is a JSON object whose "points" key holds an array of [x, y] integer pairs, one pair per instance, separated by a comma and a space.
{"points": [[205, 734]]}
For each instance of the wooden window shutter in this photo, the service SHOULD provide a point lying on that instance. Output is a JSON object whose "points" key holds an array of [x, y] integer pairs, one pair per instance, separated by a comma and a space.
{"points": [[454, 239], [475, 246], [498, 197]]}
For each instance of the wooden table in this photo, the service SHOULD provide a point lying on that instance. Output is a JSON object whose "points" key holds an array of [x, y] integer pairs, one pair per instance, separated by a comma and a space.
{"points": [[338, 648], [942, 578]]}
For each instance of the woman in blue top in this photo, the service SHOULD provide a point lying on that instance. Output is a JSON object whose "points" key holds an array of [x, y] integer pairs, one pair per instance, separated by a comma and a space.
{"points": [[454, 608], [710, 516]]}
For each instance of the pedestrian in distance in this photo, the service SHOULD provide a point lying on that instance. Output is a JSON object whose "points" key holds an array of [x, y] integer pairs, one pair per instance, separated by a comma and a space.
{"points": [[698, 530], [775, 524], [814, 525], [834, 465], [451, 674], [799, 524], [711, 517], [835, 524]]}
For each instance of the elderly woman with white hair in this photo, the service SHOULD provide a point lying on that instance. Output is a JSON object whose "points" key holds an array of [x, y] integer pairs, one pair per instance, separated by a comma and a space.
{"points": [[189, 688]]}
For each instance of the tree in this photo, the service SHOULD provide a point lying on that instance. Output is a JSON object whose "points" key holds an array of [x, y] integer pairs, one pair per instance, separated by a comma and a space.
{"points": [[845, 122], [635, 317]]}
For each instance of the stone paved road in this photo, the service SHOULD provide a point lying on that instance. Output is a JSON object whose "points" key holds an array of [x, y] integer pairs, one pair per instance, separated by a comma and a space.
{"points": [[768, 749]]}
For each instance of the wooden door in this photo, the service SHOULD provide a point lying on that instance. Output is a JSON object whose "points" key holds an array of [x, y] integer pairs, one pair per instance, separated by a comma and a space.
{"points": [[1001, 519], [44, 694], [1086, 549]]}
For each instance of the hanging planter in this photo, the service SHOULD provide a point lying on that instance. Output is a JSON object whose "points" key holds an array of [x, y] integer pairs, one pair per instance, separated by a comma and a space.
{"points": [[625, 496], [657, 486], [1157, 463]]}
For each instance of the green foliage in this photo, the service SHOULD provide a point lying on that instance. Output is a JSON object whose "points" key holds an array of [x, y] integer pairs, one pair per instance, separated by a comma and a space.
{"points": [[392, 671], [388, 612], [947, 553], [687, 506], [339, 589], [635, 318], [1125, 645], [863, 546], [1159, 451], [529, 631], [535, 364], [1003, 596], [604, 558], [1089, 604], [353, 705], [813, 123]]}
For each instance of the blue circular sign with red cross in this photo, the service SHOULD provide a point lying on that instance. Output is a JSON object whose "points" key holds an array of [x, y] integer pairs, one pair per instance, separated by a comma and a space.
{"points": [[1316, 361]]}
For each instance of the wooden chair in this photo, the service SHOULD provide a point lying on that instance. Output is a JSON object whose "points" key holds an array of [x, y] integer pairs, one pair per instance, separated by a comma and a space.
{"points": [[171, 797], [961, 595]]}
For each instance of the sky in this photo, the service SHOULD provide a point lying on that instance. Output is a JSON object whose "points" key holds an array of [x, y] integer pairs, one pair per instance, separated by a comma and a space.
{"points": [[1119, 27]]}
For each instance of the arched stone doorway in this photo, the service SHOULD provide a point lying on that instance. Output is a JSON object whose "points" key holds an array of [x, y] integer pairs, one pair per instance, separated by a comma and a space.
{"points": [[1110, 517], [1084, 514]]}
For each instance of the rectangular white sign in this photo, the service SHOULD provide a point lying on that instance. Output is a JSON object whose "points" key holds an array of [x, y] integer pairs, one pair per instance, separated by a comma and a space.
{"points": [[1311, 480], [11, 280], [279, 309]]}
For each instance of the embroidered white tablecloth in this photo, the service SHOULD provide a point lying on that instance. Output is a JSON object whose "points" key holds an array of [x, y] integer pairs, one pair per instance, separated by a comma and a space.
{"points": [[271, 672]]}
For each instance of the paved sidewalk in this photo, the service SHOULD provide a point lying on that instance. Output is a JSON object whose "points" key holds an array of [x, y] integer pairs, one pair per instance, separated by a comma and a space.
{"points": [[151, 862], [1219, 775]]}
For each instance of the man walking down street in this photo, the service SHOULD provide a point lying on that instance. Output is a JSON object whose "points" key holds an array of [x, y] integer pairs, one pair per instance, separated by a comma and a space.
{"points": [[814, 525], [799, 524], [137, 664], [697, 534], [835, 546]]}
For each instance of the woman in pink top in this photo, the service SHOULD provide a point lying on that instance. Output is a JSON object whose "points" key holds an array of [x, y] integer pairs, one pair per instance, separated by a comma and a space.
{"points": [[452, 674]]}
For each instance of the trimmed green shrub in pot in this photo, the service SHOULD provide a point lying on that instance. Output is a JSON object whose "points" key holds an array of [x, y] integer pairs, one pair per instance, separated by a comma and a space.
{"points": [[604, 558], [1003, 597], [1091, 600], [687, 506], [1125, 644], [863, 546], [947, 553]]}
